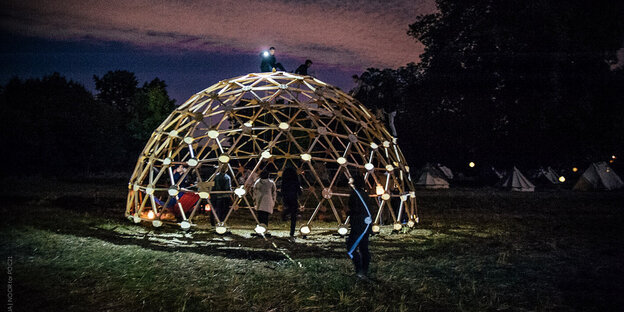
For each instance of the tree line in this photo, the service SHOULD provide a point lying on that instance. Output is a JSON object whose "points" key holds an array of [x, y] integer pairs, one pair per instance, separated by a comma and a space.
{"points": [[55, 126], [528, 83]]}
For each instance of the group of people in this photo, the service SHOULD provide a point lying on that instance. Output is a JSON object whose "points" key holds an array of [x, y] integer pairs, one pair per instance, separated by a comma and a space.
{"points": [[269, 63], [265, 197]]}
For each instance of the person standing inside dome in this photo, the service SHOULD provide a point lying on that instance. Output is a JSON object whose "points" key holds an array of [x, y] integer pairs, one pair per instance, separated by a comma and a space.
{"points": [[264, 193], [269, 63], [291, 189]]}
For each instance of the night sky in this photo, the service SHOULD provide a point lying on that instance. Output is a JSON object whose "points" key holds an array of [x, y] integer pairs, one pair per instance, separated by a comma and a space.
{"points": [[193, 44]]}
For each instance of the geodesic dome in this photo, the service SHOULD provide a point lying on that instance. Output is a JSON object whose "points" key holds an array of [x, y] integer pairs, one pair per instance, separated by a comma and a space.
{"points": [[268, 121]]}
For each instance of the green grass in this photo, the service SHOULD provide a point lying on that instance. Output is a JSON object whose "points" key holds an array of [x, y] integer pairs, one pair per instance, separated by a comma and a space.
{"points": [[474, 250]]}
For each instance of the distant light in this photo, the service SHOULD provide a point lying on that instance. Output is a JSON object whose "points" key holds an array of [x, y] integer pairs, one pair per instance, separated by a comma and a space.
{"points": [[411, 223], [305, 230], [389, 168], [376, 228], [608, 170], [221, 229], [156, 223], [374, 145], [613, 157], [342, 230], [610, 161], [283, 126], [341, 160], [240, 191], [260, 229], [213, 134], [266, 53], [471, 164], [224, 158], [192, 162], [266, 154], [397, 226], [369, 167], [379, 190], [574, 169], [151, 215], [561, 179], [185, 225], [385, 196], [306, 157]]}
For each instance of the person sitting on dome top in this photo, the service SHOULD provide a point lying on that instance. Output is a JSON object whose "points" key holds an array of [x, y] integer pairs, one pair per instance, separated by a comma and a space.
{"points": [[303, 68], [269, 63]]}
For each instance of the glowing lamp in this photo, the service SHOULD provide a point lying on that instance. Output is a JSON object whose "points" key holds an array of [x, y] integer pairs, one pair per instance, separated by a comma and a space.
{"points": [[266, 154], [385, 196], [574, 169], [221, 229], [413, 194], [192, 162], [376, 228], [379, 190], [188, 140], [283, 126], [248, 124], [173, 133], [404, 197], [224, 158], [260, 229], [411, 223], [266, 53], [167, 161], [185, 225], [240, 191], [156, 223], [149, 190], [342, 230], [341, 160], [613, 157], [204, 195], [151, 215], [386, 144], [471, 164], [369, 167], [173, 191], [389, 168], [207, 207], [305, 230], [397, 226], [306, 157], [213, 134], [561, 179], [374, 145]]}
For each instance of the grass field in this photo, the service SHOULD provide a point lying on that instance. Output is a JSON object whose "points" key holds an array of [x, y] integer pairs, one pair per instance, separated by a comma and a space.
{"points": [[67, 247]]}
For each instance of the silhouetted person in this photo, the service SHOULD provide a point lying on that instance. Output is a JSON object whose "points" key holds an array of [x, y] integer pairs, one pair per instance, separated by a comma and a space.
{"points": [[291, 189], [303, 68], [269, 62], [265, 193], [221, 201], [360, 219]]}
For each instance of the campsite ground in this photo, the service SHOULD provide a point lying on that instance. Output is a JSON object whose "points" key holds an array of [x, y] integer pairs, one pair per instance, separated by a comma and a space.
{"points": [[67, 247]]}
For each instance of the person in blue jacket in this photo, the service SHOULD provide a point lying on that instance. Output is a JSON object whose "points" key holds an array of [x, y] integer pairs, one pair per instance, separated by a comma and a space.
{"points": [[361, 221]]}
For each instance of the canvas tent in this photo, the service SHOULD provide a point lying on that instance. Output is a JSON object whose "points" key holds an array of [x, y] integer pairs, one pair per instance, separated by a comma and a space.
{"points": [[546, 176], [431, 178], [448, 174], [515, 181], [599, 176]]}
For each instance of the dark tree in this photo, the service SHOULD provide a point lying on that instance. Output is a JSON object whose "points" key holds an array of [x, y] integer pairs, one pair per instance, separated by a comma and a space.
{"points": [[117, 89]]}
